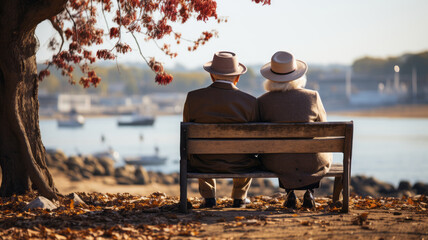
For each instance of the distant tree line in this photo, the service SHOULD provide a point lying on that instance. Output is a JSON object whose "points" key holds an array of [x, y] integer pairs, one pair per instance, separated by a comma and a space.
{"points": [[130, 80], [382, 66]]}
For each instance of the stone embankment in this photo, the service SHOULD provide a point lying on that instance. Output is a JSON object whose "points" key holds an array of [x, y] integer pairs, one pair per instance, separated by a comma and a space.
{"points": [[84, 167]]}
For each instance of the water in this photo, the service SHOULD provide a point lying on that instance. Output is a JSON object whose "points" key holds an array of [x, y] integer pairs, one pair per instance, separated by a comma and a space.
{"points": [[390, 149]]}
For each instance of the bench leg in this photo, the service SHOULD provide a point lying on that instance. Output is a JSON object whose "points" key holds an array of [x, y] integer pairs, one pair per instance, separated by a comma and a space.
{"points": [[183, 193], [337, 189], [346, 183]]}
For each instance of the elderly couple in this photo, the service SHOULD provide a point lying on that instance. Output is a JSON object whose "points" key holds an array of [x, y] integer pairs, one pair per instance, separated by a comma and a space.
{"points": [[286, 100]]}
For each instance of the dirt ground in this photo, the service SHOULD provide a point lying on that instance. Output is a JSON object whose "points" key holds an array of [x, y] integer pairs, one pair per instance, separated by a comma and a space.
{"points": [[380, 224], [265, 218]]}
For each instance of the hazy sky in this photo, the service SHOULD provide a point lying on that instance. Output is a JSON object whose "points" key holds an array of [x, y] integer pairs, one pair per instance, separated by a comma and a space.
{"points": [[322, 32]]}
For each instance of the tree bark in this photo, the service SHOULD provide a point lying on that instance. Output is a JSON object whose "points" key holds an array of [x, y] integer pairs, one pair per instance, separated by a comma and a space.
{"points": [[22, 154]]}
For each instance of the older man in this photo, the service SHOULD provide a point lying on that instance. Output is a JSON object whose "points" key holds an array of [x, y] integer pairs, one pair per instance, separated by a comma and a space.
{"points": [[222, 102]]}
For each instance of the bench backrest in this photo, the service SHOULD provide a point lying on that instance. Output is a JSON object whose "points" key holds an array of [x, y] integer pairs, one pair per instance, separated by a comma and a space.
{"points": [[197, 138]]}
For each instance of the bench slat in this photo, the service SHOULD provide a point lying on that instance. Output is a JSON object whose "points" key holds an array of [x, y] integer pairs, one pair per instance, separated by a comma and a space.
{"points": [[196, 146], [335, 170], [266, 130]]}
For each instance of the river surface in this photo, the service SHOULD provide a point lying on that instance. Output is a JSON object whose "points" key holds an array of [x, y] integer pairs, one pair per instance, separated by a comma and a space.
{"points": [[389, 149]]}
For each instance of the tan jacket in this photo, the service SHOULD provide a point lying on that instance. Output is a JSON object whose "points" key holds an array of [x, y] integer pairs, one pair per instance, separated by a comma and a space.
{"points": [[298, 105], [221, 103]]}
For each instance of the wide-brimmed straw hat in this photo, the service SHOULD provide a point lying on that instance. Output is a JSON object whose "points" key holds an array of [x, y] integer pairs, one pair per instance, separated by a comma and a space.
{"points": [[226, 64], [283, 67]]}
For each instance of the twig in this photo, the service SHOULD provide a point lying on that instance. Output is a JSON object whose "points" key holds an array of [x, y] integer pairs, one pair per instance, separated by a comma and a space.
{"points": [[74, 23], [102, 10], [139, 48]]}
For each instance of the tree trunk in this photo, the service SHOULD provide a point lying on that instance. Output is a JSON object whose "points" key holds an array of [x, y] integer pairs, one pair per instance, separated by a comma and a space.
{"points": [[22, 154]]}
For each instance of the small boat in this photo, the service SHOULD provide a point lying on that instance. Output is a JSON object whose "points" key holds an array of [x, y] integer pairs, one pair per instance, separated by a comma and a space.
{"points": [[110, 153], [145, 160], [136, 120], [72, 120]]}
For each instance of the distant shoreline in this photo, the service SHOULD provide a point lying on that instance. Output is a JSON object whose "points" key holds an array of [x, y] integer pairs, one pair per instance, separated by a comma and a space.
{"points": [[396, 111]]}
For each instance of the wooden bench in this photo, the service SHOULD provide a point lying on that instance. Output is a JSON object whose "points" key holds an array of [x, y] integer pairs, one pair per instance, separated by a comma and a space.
{"points": [[259, 138]]}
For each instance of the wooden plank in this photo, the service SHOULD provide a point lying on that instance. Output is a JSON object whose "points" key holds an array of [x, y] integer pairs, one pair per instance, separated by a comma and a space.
{"points": [[265, 130], [335, 170], [264, 146]]}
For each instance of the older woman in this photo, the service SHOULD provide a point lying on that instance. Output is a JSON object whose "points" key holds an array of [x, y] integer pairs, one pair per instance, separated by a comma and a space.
{"points": [[287, 100]]}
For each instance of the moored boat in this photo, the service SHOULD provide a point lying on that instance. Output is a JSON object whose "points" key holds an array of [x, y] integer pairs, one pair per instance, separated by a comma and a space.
{"points": [[145, 160], [136, 120], [72, 120]]}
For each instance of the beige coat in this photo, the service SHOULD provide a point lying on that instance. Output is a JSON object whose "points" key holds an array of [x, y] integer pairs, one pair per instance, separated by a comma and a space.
{"points": [[297, 105], [221, 103]]}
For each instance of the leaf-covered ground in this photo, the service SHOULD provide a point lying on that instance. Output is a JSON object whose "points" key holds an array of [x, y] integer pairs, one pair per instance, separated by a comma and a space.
{"points": [[125, 216]]}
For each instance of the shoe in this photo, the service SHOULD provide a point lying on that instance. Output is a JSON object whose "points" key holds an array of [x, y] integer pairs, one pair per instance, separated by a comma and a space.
{"points": [[209, 203], [308, 199], [291, 201], [240, 203]]}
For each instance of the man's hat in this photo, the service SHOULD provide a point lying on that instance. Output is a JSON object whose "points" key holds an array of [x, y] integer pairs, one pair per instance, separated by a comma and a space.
{"points": [[226, 64]]}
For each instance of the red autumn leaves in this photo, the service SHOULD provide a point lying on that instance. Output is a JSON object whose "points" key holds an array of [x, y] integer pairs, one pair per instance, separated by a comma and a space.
{"points": [[150, 19]]}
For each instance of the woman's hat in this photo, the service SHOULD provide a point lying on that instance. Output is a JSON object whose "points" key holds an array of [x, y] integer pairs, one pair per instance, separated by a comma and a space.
{"points": [[226, 64], [283, 67]]}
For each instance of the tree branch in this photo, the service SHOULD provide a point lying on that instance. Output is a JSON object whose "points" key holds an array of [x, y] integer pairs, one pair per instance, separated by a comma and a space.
{"points": [[139, 48], [60, 32]]}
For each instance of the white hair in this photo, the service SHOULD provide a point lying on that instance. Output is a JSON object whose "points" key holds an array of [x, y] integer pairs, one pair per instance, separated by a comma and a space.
{"points": [[222, 77], [271, 86]]}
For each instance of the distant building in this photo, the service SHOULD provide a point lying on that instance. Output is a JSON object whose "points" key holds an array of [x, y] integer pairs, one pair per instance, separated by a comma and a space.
{"points": [[80, 103]]}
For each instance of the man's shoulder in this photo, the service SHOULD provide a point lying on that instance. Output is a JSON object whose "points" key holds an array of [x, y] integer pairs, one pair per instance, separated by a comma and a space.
{"points": [[246, 95], [236, 92], [197, 91]]}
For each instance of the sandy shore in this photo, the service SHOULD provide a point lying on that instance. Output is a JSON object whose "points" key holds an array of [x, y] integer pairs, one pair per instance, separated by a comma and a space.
{"points": [[108, 184]]}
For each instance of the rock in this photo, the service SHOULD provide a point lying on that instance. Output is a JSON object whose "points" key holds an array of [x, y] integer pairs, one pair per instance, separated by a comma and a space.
{"points": [[421, 188], [176, 177], [124, 181], [77, 200], [141, 176], [75, 163], [86, 173], [57, 155], [404, 185], [56, 158], [168, 180], [406, 193], [93, 165], [154, 177], [364, 186], [125, 174], [165, 178], [74, 175], [40, 202], [108, 165]]}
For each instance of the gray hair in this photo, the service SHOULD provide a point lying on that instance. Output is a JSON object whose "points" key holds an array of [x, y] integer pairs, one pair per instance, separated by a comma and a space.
{"points": [[271, 86]]}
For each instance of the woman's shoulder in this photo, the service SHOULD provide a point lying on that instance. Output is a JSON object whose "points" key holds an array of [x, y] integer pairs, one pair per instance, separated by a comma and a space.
{"points": [[306, 91]]}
